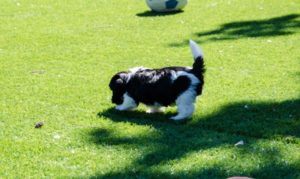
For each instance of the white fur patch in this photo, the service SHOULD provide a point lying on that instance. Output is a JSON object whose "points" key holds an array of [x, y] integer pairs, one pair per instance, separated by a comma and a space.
{"points": [[196, 50], [174, 75], [185, 105], [128, 103]]}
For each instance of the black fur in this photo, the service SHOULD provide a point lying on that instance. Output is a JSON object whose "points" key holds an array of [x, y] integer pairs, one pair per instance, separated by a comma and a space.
{"points": [[198, 70]]}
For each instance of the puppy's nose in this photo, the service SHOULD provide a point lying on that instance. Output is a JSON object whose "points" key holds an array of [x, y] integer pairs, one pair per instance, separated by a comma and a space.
{"points": [[116, 100]]}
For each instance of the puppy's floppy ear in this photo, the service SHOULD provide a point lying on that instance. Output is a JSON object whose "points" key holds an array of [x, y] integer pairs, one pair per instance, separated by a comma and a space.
{"points": [[118, 81]]}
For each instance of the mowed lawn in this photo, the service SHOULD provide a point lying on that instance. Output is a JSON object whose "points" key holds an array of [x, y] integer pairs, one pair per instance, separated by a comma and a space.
{"points": [[56, 60]]}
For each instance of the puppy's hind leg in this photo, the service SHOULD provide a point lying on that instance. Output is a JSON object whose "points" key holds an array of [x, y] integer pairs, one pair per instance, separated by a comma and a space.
{"points": [[185, 105], [128, 104], [184, 111]]}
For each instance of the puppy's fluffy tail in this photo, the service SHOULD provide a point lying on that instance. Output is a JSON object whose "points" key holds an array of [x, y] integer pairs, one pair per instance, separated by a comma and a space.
{"points": [[198, 66]]}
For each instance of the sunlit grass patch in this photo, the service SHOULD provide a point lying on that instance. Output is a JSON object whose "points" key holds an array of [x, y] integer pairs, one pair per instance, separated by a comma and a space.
{"points": [[56, 60]]}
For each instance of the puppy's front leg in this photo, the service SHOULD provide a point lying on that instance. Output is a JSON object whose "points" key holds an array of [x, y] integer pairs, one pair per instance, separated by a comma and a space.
{"points": [[128, 103]]}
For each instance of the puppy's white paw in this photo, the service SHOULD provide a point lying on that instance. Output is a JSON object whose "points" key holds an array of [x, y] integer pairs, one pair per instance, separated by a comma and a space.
{"points": [[120, 108]]}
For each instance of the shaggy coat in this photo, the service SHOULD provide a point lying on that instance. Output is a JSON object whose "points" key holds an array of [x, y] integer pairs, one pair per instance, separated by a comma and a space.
{"points": [[162, 87]]}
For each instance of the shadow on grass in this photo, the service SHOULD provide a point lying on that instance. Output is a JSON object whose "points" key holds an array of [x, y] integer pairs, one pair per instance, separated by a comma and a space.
{"points": [[270, 171], [154, 14], [276, 26], [246, 120], [257, 120]]}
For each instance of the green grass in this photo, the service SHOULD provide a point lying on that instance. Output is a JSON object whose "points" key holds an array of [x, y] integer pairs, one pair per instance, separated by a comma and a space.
{"points": [[56, 60]]}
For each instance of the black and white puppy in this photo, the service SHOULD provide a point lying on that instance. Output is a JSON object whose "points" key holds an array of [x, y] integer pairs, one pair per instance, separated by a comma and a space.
{"points": [[158, 88]]}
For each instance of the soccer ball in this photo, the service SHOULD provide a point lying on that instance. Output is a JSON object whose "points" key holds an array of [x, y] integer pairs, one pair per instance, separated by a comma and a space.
{"points": [[166, 5]]}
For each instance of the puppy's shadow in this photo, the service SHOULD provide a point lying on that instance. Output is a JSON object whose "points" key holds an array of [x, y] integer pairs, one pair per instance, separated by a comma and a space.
{"points": [[138, 117]]}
